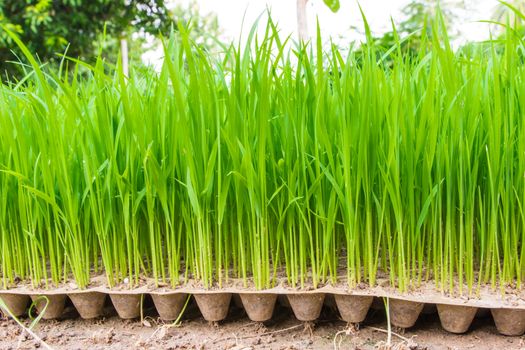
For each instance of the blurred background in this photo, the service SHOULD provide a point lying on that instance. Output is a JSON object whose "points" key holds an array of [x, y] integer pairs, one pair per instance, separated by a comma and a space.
{"points": [[131, 29]]}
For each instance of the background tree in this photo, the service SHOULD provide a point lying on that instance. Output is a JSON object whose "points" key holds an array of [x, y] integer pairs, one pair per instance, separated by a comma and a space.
{"points": [[419, 17], [302, 22], [47, 27], [512, 11], [205, 29], [505, 10]]}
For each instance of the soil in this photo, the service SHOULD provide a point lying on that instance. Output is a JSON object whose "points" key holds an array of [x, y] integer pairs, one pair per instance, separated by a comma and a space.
{"points": [[237, 332]]}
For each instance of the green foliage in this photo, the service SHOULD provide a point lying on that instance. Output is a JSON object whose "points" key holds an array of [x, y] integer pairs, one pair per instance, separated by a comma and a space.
{"points": [[332, 5], [205, 29], [416, 28], [49, 27]]}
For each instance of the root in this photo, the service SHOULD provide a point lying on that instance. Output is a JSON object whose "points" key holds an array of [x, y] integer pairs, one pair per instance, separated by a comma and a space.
{"points": [[259, 335], [260, 327], [351, 329], [400, 330], [405, 344], [393, 333], [399, 346], [309, 327]]}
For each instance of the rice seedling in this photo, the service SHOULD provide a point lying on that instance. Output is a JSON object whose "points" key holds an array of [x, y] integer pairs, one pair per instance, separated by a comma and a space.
{"points": [[273, 160]]}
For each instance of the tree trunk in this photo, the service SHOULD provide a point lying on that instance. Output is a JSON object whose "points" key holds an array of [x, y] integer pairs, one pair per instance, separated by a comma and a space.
{"points": [[302, 23], [124, 55]]}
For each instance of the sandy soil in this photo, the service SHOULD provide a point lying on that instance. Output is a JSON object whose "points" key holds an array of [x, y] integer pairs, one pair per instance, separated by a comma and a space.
{"points": [[239, 333]]}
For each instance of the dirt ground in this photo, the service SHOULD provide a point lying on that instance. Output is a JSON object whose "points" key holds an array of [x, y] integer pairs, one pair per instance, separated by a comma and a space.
{"points": [[239, 333]]}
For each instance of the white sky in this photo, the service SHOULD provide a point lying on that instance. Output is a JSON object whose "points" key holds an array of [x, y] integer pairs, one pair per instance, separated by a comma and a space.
{"points": [[337, 25], [378, 13]]}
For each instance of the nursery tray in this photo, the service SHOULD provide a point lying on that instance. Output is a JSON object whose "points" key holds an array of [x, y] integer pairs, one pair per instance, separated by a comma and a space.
{"points": [[455, 312]]}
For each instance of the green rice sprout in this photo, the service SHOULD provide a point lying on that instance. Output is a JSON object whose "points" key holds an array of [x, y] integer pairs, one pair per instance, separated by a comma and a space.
{"points": [[271, 161]]}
